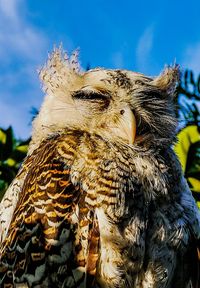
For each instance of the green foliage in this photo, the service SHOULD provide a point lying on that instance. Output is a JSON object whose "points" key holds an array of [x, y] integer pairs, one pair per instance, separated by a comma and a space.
{"points": [[193, 163], [189, 115], [189, 99], [12, 153]]}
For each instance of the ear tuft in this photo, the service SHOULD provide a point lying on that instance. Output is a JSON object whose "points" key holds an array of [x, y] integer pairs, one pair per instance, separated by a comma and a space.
{"points": [[168, 80], [60, 72]]}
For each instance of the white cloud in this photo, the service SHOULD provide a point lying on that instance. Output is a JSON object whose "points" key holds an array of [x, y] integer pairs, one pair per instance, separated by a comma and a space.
{"points": [[22, 49], [9, 9], [17, 36], [143, 49], [191, 58]]}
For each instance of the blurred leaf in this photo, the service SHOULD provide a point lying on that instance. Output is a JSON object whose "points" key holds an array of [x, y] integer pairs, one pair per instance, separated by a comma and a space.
{"points": [[22, 148], [198, 84], [7, 147], [12, 153], [17, 156], [192, 78], [193, 161], [188, 147], [10, 162], [2, 136], [3, 187], [186, 79], [7, 173]]}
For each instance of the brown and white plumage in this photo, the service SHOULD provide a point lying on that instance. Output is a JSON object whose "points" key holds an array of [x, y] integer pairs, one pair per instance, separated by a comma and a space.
{"points": [[99, 206]]}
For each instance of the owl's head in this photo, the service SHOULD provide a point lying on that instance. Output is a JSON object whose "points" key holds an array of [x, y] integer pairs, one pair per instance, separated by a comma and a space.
{"points": [[118, 105]]}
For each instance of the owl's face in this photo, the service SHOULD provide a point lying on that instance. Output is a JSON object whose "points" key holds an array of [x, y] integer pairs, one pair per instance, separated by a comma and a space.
{"points": [[118, 105]]}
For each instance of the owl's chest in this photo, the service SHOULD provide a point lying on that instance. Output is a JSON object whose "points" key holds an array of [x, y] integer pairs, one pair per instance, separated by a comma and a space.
{"points": [[137, 220], [119, 185]]}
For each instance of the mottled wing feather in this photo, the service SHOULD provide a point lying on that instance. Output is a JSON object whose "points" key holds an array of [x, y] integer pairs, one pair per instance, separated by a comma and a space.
{"points": [[39, 247], [9, 201], [93, 253]]}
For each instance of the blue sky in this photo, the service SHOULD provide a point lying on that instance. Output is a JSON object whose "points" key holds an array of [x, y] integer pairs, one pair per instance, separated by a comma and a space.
{"points": [[137, 35]]}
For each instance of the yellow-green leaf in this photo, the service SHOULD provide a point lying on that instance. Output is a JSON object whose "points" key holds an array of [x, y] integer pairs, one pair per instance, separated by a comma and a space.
{"points": [[2, 137], [10, 162], [22, 148]]}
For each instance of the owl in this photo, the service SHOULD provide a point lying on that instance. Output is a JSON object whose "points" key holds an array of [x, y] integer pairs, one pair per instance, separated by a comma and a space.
{"points": [[100, 200]]}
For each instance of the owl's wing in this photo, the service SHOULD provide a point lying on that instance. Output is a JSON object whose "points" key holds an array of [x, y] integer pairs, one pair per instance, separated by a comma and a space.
{"points": [[11, 196], [43, 245]]}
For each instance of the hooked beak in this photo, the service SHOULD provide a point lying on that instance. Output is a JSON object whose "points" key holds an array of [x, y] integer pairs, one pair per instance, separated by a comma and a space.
{"points": [[126, 127]]}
